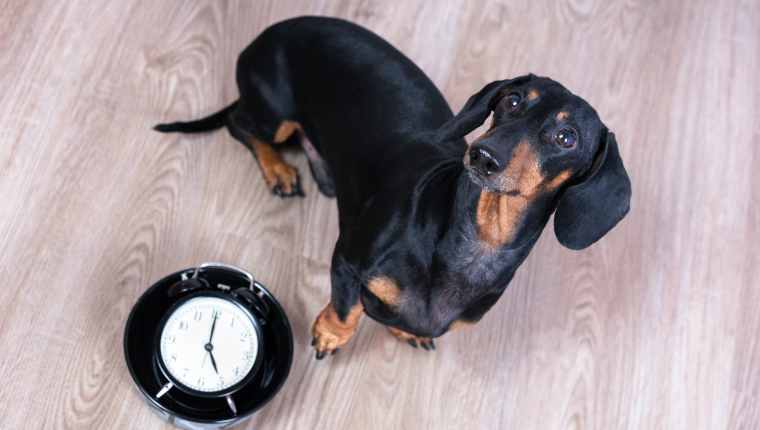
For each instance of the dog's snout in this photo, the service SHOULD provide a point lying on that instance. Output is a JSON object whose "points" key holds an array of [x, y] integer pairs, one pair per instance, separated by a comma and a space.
{"points": [[484, 161]]}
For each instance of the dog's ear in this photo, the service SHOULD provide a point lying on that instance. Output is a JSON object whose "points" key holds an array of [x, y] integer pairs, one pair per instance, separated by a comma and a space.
{"points": [[476, 110], [591, 207]]}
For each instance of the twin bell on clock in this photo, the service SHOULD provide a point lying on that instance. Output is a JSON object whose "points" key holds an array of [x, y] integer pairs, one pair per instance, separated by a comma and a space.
{"points": [[208, 346]]}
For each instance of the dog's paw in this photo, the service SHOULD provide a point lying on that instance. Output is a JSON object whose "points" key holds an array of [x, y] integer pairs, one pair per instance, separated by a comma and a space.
{"points": [[330, 332], [324, 344], [283, 179], [425, 343]]}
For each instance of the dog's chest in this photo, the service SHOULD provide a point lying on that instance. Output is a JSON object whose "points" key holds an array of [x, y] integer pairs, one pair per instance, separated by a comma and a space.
{"points": [[426, 293]]}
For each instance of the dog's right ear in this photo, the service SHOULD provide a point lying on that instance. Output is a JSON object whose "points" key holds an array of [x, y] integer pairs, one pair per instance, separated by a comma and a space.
{"points": [[477, 109]]}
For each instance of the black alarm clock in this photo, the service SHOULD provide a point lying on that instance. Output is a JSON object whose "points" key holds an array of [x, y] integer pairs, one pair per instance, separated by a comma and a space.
{"points": [[208, 346]]}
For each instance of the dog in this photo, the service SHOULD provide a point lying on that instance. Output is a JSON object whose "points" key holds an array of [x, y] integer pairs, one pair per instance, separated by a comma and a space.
{"points": [[432, 229]]}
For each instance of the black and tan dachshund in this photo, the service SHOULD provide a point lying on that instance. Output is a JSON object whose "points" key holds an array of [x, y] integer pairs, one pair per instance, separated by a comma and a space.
{"points": [[432, 228]]}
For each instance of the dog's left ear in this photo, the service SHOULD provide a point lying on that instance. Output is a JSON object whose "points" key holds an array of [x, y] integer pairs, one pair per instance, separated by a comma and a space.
{"points": [[589, 209], [476, 110]]}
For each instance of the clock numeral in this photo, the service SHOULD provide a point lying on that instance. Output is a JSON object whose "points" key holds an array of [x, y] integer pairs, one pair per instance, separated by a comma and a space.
{"points": [[232, 322], [198, 315], [236, 372], [201, 381], [183, 325], [171, 339], [249, 355], [174, 357]]}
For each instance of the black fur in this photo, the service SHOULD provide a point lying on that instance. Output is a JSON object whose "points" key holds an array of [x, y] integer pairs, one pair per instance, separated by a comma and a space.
{"points": [[407, 202], [212, 122]]}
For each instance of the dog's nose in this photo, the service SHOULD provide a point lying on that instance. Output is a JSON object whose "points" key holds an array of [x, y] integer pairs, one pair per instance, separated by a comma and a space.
{"points": [[484, 162]]}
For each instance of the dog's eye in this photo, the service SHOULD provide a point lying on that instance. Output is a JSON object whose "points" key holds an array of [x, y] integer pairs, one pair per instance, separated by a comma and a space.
{"points": [[566, 138], [513, 101]]}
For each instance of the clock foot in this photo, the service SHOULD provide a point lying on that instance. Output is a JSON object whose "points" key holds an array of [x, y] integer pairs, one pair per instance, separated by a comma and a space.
{"points": [[231, 404], [164, 390]]}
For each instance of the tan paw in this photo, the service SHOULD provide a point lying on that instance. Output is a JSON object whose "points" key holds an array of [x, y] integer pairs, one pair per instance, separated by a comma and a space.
{"points": [[425, 342], [281, 177], [330, 332]]}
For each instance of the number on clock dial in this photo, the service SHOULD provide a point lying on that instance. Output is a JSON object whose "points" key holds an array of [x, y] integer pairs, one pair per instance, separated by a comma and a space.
{"points": [[186, 333]]}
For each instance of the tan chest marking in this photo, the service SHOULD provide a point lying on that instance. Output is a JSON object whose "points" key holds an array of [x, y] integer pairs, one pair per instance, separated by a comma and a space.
{"points": [[386, 290], [498, 217]]}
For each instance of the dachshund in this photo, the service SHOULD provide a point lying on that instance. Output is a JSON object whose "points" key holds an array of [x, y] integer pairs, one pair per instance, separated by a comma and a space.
{"points": [[432, 229]]}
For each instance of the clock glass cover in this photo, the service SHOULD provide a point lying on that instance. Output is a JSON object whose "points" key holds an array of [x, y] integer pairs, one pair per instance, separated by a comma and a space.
{"points": [[209, 344]]}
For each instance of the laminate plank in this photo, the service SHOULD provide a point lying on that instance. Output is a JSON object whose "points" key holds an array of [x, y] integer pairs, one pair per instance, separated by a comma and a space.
{"points": [[655, 326]]}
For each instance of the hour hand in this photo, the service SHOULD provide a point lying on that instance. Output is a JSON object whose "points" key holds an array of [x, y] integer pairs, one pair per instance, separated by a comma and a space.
{"points": [[213, 362]]}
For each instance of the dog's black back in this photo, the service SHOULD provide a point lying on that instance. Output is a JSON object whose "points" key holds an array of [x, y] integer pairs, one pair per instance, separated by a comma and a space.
{"points": [[359, 126]]}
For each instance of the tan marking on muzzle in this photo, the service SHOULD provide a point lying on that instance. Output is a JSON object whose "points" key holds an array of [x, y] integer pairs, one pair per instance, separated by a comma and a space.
{"points": [[523, 172], [532, 94], [562, 115], [499, 215]]}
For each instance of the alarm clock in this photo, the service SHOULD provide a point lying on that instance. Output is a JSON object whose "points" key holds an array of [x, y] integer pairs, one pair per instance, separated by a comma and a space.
{"points": [[208, 346]]}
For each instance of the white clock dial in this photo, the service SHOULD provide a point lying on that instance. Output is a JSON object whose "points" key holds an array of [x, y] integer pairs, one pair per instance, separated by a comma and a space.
{"points": [[190, 352]]}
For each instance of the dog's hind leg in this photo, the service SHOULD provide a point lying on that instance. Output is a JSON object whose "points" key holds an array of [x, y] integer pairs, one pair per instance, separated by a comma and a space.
{"points": [[259, 131], [319, 168]]}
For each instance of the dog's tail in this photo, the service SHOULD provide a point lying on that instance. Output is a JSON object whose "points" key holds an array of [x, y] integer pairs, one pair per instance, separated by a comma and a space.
{"points": [[211, 122]]}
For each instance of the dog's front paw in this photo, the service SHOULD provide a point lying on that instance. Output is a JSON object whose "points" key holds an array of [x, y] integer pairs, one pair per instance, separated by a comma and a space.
{"points": [[426, 343], [283, 179], [330, 332]]}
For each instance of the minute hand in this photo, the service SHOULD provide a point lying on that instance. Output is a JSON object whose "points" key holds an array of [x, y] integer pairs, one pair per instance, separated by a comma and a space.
{"points": [[213, 326]]}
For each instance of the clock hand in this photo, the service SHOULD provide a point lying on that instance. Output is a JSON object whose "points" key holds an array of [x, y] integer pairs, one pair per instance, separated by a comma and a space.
{"points": [[209, 347], [213, 326], [213, 362]]}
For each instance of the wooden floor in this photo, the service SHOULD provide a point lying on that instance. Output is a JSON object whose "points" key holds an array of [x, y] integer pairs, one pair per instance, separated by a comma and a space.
{"points": [[655, 327]]}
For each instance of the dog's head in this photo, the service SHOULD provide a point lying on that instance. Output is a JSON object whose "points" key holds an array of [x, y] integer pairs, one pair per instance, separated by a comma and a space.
{"points": [[546, 141]]}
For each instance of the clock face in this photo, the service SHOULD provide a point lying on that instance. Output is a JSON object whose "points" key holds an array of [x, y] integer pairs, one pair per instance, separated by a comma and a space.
{"points": [[209, 344]]}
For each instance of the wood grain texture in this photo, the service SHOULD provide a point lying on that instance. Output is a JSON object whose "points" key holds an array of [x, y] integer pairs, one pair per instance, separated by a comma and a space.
{"points": [[655, 327]]}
